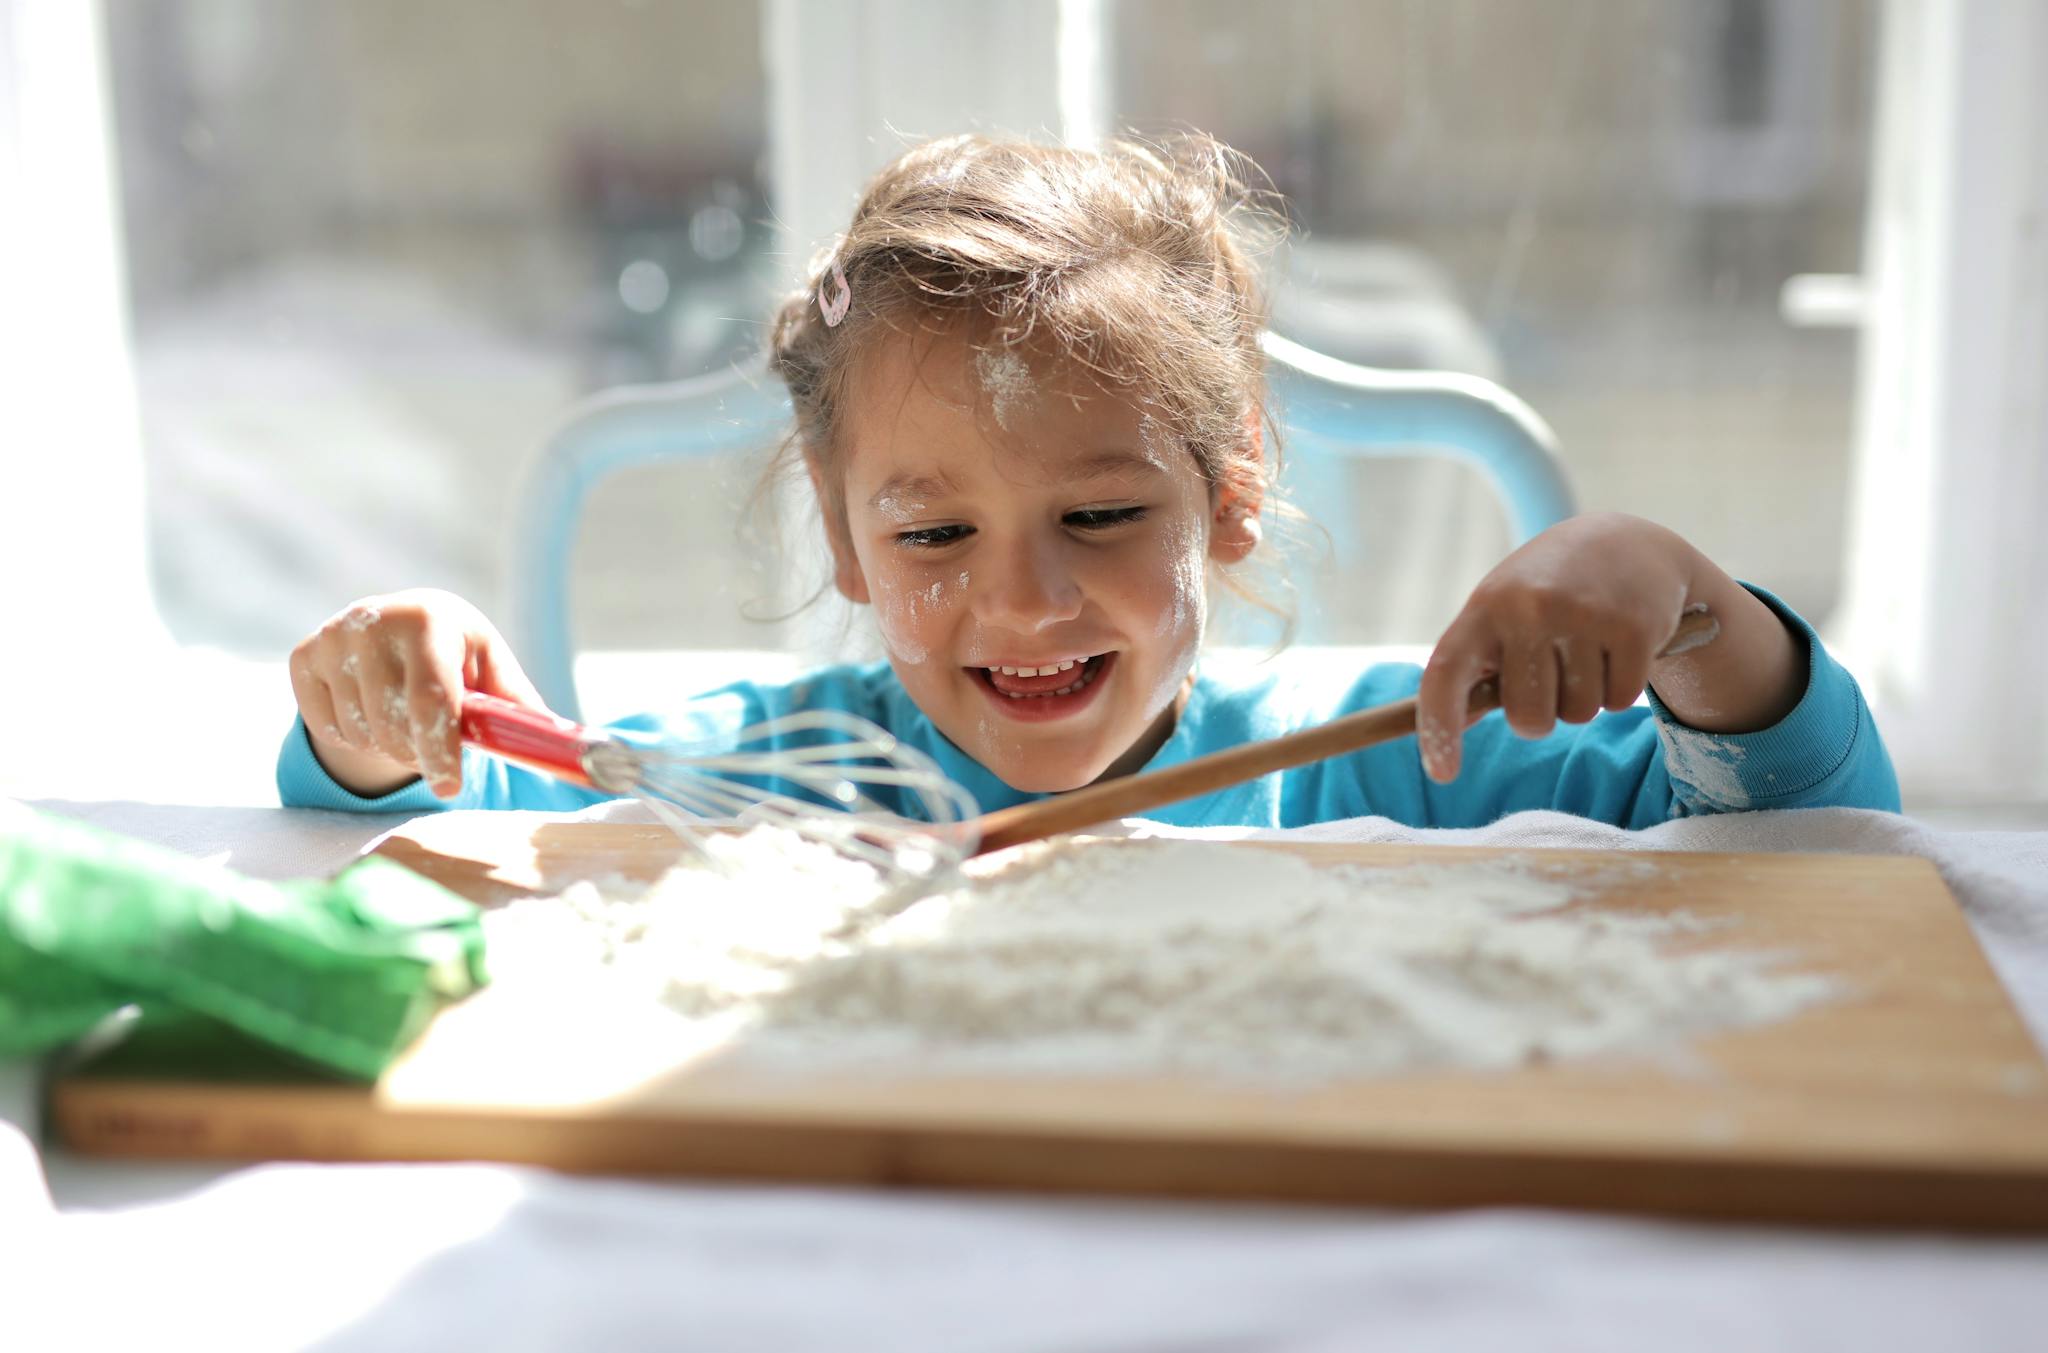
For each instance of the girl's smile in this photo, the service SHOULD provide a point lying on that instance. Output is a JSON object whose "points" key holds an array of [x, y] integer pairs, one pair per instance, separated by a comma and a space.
{"points": [[1049, 691], [1035, 549]]}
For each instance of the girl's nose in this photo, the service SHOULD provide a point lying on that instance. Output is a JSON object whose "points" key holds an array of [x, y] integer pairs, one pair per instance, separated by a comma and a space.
{"points": [[1028, 589]]}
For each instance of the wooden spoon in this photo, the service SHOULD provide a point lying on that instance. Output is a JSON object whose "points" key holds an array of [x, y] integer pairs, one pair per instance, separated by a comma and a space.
{"points": [[1133, 794]]}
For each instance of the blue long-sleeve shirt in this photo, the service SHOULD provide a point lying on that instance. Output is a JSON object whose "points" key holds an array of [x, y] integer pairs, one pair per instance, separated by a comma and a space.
{"points": [[1634, 767]]}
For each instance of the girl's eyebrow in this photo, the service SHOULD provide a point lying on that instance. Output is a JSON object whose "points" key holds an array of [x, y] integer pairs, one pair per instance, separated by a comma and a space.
{"points": [[908, 487], [1104, 463], [899, 487]]}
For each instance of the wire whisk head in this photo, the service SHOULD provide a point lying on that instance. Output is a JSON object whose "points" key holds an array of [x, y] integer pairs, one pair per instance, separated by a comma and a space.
{"points": [[827, 775]]}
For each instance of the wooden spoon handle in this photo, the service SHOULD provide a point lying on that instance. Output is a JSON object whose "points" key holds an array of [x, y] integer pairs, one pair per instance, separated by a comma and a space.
{"points": [[1133, 794]]}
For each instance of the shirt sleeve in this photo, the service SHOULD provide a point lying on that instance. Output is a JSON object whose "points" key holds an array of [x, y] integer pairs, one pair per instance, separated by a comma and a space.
{"points": [[714, 719], [1825, 753], [1641, 766]]}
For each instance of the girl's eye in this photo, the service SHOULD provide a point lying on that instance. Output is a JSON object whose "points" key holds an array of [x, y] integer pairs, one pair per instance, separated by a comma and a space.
{"points": [[1097, 518], [931, 537], [1086, 519]]}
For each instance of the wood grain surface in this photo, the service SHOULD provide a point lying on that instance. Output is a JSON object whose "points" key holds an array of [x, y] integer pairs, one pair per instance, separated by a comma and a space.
{"points": [[1921, 1100]]}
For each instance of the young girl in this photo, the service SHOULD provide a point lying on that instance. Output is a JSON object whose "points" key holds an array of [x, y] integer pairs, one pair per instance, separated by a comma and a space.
{"points": [[1030, 396]]}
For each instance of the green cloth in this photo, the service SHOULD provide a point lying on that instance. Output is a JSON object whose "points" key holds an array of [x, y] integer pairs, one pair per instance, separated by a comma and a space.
{"points": [[341, 972]]}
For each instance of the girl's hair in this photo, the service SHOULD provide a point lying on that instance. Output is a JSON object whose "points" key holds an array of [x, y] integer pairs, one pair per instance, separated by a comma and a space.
{"points": [[1134, 261]]}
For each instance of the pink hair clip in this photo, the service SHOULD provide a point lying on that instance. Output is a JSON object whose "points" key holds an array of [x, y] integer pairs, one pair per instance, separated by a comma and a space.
{"points": [[835, 306]]}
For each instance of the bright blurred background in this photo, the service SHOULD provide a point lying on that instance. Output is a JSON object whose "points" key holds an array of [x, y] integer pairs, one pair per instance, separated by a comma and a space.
{"points": [[310, 283]]}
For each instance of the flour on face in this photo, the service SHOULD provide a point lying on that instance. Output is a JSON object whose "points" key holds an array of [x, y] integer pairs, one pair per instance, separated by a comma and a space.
{"points": [[899, 509], [900, 614], [1006, 380]]}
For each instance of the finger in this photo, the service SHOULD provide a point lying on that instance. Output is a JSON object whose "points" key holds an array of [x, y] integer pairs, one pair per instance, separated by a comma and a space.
{"points": [[380, 686], [350, 721], [316, 704], [1628, 671], [1582, 680], [436, 714], [493, 670], [1460, 661], [1528, 687], [442, 665]]}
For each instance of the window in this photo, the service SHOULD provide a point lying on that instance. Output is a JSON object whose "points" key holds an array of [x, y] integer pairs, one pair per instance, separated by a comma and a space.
{"points": [[374, 249], [1597, 204]]}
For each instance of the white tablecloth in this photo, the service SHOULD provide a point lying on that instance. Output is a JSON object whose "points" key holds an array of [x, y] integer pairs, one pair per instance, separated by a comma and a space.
{"points": [[438, 1257]]}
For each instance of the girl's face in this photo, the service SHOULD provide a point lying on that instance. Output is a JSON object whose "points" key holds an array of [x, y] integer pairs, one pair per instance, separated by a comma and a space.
{"points": [[1003, 514]]}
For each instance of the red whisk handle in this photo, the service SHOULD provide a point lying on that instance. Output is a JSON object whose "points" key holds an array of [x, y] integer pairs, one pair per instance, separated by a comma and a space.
{"points": [[546, 742]]}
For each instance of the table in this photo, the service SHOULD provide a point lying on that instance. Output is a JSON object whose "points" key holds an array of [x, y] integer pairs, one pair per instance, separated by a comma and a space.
{"points": [[397, 1257]]}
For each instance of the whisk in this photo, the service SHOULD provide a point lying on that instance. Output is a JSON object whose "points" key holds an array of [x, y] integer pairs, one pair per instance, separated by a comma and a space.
{"points": [[914, 855], [815, 772]]}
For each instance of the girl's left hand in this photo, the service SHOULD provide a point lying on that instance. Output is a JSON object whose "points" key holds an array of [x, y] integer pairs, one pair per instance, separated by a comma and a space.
{"points": [[1570, 623]]}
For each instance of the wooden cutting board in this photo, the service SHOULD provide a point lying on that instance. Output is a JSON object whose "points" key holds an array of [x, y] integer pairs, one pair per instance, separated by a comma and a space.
{"points": [[1923, 1101]]}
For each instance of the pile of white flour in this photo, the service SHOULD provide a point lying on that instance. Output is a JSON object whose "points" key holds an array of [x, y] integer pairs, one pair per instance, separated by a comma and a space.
{"points": [[1112, 956]]}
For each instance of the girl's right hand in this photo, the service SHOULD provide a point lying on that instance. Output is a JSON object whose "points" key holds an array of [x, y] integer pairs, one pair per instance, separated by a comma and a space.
{"points": [[380, 687]]}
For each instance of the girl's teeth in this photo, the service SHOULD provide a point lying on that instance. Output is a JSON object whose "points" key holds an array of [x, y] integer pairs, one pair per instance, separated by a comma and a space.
{"points": [[1035, 671], [1086, 677]]}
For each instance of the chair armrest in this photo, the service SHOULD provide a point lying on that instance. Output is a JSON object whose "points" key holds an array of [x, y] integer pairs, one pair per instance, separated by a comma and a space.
{"points": [[1341, 407], [622, 429]]}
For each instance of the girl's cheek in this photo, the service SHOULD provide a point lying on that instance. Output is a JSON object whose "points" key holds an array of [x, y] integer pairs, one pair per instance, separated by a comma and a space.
{"points": [[909, 613], [897, 616], [1179, 607], [1181, 610]]}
